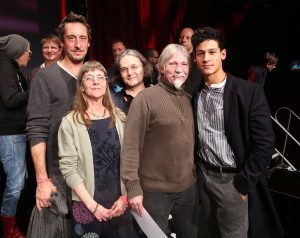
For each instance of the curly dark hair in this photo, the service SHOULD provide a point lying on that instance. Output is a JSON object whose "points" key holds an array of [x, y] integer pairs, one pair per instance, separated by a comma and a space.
{"points": [[208, 33]]}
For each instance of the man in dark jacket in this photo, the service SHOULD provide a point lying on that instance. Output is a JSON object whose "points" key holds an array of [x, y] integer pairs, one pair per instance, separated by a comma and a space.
{"points": [[235, 146], [258, 74], [14, 53]]}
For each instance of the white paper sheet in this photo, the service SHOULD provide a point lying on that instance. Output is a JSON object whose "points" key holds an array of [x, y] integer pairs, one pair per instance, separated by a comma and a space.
{"points": [[148, 225]]}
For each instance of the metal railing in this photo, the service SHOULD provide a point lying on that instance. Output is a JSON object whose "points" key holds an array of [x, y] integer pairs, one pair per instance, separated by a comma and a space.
{"points": [[285, 163]]}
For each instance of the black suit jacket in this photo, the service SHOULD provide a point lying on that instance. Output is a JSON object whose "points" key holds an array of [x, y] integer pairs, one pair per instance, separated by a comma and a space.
{"points": [[248, 128]]}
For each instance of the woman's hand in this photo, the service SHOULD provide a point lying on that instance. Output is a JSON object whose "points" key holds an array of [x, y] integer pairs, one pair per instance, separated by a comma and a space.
{"points": [[101, 213], [119, 207]]}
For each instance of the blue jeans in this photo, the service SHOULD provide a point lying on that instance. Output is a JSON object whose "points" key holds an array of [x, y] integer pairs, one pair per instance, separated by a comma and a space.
{"points": [[13, 159], [182, 206]]}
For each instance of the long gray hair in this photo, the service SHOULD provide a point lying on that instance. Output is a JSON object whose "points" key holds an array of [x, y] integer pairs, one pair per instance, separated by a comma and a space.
{"points": [[168, 52]]}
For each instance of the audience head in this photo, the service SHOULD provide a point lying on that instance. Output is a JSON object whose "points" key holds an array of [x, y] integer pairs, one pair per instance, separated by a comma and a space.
{"points": [[75, 33], [16, 47], [173, 65], [185, 38], [133, 67], [117, 47], [152, 56], [270, 61], [51, 48]]}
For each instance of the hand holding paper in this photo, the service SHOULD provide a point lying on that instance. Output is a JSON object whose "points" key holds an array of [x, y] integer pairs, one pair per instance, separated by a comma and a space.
{"points": [[148, 225], [136, 204]]}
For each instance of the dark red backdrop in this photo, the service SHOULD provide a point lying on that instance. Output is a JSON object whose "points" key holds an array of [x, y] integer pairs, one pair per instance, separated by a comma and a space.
{"points": [[139, 23]]}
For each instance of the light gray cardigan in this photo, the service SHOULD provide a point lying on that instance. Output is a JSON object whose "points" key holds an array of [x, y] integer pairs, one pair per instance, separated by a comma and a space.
{"points": [[76, 156]]}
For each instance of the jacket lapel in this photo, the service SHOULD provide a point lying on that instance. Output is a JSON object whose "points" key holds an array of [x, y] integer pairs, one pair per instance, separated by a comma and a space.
{"points": [[229, 104]]}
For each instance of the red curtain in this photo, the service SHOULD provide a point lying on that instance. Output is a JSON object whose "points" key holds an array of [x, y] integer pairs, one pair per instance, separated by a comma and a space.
{"points": [[63, 8], [141, 24]]}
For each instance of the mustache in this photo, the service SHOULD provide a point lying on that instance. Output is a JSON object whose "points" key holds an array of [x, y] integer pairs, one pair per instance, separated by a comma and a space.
{"points": [[177, 76]]}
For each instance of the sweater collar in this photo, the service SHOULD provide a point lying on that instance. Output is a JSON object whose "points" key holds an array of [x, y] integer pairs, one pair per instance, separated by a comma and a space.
{"points": [[170, 88]]}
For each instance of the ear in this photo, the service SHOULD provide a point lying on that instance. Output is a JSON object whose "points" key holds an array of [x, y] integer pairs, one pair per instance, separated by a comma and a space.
{"points": [[223, 54]]}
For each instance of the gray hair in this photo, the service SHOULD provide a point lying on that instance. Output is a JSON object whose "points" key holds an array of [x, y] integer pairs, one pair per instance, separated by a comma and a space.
{"points": [[135, 53], [168, 52], [90, 66]]}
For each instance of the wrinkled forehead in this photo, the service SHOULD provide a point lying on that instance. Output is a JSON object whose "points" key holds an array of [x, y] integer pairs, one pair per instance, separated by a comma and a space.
{"points": [[178, 56], [76, 29], [186, 32]]}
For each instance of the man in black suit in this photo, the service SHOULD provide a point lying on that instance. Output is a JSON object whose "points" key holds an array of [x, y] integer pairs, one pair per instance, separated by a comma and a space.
{"points": [[235, 146]]}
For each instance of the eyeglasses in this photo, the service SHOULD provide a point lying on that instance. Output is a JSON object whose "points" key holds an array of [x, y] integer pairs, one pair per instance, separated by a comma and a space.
{"points": [[98, 79], [29, 51], [133, 68]]}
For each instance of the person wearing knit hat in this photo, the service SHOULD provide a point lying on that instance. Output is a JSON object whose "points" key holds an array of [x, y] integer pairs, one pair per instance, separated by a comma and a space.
{"points": [[14, 53], [13, 45]]}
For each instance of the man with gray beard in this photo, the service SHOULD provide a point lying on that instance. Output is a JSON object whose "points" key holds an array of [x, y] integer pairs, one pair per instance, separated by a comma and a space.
{"points": [[157, 159]]}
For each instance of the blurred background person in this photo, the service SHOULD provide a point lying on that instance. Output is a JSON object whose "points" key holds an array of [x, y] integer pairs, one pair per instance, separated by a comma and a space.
{"points": [[14, 53], [258, 73], [152, 56], [117, 47], [51, 51], [185, 39], [193, 81]]}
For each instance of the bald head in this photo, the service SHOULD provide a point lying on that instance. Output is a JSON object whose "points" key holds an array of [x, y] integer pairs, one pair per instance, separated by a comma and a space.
{"points": [[185, 38]]}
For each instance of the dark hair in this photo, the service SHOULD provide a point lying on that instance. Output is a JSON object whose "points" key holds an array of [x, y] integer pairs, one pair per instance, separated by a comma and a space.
{"points": [[72, 18], [208, 33], [149, 52], [114, 41]]}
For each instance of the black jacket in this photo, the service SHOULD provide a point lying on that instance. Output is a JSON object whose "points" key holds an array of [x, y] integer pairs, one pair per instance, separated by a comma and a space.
{"points": [[248, 128], [13, 97]]}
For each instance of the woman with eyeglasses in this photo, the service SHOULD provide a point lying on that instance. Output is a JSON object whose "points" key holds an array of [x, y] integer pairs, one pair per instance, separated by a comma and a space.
{"points": [[89, 140], [134, 72]]}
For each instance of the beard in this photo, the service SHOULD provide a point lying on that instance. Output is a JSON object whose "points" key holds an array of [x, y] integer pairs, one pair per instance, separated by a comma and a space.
{"points": [[178, 83], [76, 59]]}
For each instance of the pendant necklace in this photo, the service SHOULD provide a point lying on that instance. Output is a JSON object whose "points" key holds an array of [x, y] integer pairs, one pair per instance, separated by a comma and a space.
{"points": [[97, 115]]}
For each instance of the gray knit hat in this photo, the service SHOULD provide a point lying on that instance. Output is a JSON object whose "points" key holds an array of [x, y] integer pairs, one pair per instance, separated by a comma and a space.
{"points": [[13, 45]]}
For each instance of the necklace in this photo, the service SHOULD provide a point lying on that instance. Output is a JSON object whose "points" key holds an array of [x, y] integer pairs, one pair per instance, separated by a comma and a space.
{"points": [[97, 115]]}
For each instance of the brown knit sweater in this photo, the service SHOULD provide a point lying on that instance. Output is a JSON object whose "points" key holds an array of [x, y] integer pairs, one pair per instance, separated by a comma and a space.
{"points": [[157, 153]]}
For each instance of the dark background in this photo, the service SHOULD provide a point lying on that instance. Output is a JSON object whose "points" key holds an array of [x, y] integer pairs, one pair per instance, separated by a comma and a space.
{"points": [[251, 27]]}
